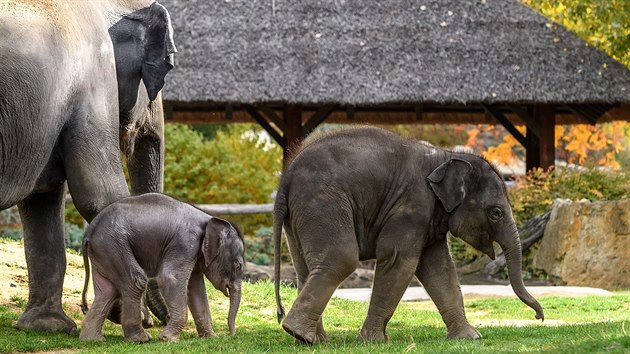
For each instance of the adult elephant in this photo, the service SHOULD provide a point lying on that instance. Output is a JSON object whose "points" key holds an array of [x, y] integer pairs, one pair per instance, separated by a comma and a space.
{"points": [[78, 81]]}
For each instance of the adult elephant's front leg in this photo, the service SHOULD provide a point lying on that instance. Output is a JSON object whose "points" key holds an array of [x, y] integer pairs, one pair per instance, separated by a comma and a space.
{"points": [[436, 271], [42, 219]]}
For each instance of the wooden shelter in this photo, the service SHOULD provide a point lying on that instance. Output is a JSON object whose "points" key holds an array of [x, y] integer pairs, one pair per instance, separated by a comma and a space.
{"points": [[291, 65]]}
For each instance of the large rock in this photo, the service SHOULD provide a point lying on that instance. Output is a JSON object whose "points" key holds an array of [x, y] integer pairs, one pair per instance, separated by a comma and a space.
{"points": [[587, 244]]}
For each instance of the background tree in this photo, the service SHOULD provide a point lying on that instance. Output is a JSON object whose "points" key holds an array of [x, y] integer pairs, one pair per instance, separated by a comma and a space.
{"points": [[604, 24]]}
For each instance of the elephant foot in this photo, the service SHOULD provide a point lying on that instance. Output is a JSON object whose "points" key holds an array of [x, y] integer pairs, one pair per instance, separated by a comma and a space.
{"points": [[373, 335], [464, 331], [169, 336], [46, 321], [93, 338], [305, 333], [140, 337], [207, 334], [321, 336]]}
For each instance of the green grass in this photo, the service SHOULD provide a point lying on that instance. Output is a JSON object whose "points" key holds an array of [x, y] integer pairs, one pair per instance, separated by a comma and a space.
{"points": [[573, 325]]}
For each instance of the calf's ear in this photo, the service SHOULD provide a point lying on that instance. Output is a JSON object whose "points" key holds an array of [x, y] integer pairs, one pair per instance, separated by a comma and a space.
{"points": [[449, 182], [214, 241]]}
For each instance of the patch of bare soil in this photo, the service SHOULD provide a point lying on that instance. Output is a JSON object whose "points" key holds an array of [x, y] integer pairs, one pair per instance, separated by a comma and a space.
{"points": [[14, 277]]}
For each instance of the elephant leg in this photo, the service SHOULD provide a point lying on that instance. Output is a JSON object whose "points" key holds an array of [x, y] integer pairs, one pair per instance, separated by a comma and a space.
{"points": [[174, 293], [394, 269], [42, 219], [436, 271], [93, 167], [134, 287], [301, 270], [155, 301], [198, 304], [328, 267], [105, 296]]}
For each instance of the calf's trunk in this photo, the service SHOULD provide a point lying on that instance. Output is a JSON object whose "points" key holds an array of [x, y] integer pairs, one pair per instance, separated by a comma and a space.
{"points": [[235, 301], [511, 246]]}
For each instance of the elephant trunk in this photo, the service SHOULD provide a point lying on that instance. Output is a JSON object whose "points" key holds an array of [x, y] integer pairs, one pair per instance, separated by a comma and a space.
{"points": [[235, 301], [511, 245], [144, 152]]}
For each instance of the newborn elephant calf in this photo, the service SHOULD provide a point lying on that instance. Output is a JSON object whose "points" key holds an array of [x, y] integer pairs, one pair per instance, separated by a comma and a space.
{"points": [[155, 236]]}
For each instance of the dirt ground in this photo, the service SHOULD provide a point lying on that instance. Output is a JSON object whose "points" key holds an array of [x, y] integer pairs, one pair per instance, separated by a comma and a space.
{"points": [[14, 276]]}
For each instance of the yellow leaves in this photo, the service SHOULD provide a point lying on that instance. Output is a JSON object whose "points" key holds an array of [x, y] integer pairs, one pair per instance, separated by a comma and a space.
{"points": [[577, 144], [472, 137], [605, 141]]}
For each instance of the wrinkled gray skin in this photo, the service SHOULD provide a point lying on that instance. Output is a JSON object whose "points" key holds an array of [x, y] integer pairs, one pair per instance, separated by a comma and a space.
{"points": [[155, 236], [367, 193], [76, 83]]}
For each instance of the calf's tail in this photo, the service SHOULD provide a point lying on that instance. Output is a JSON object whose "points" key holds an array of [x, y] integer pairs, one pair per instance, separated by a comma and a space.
{"points": [[86, 265], [279, 213]]}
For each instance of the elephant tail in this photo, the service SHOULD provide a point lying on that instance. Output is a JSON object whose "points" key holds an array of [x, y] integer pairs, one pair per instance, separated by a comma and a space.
{"points": [[86, 265], [279, 214]]}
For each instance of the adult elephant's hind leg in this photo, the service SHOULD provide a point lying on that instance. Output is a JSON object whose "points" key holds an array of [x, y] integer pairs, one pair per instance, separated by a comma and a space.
{"points": [[331, 255], [42, 219], [395, 264]]}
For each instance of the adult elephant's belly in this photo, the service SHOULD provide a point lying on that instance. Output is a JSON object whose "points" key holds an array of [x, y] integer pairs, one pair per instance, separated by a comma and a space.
{"points": [[25, 173]]}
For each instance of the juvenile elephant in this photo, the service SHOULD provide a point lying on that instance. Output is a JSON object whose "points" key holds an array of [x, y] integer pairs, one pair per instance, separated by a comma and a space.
{"points": [[155, 236], [369, 194], [79, 80]]}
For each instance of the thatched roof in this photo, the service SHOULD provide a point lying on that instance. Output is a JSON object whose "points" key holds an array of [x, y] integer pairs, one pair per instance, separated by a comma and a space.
{"points": [[358, 52]]}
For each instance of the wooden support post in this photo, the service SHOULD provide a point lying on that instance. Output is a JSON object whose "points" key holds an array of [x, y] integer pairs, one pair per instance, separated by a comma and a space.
{"points": [[540, 149], [168, 110], [293, 133], [547, 119]]}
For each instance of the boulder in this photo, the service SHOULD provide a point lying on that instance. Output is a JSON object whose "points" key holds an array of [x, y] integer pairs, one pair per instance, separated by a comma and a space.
{"points": [[587, 244]]}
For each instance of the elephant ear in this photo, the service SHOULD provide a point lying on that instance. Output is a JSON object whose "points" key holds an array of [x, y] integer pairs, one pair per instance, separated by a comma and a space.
{"points": [[158, 50], [449, 182], [215, 238], [150, 33]]}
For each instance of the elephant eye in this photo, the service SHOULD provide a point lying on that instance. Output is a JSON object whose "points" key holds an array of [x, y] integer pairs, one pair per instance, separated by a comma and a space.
{"points": [[238, 266], [495, 214]]}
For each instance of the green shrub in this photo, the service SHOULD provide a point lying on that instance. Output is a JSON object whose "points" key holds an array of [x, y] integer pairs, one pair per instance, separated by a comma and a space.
{"points": [[233, 167], [535, 192]]}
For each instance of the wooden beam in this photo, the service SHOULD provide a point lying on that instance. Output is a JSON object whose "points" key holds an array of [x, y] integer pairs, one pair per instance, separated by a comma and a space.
{"points": [[273, 117], [527, 118], [168, 110], [253, 112], [317, 118], [419, 110], [229, 112], [506, 123], [579, 112], [350, 112]]}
